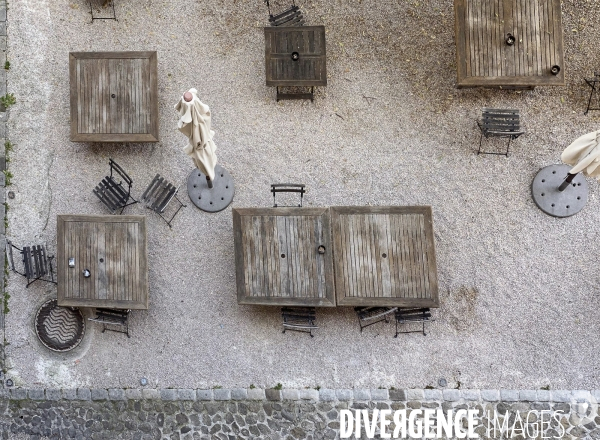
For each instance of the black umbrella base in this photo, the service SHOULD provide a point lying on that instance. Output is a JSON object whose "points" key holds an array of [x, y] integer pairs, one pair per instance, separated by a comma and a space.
{"points": [[213, 199], [549, 199]]}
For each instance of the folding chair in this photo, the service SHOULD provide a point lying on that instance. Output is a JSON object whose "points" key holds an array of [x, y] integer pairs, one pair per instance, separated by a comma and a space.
{"points": [[104, 4], [113, 317], [407, 316], [289, 17], [300, 319], [159, 194], [112, 193], [299, 188], [37, 265], [372, 315], [499, 123]]}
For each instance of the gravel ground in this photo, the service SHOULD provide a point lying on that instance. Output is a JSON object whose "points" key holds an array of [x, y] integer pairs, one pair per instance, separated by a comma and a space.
{"points": [[518, 288]]}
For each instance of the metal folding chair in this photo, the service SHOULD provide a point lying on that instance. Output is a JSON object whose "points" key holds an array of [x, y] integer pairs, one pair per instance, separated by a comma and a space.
{"points": [[159, 194], [37, 265], [299, 319], [407, 316], [290, 17], [114, 194], [299, 188], [113, 318], [372, 315], [106, 2], [499, 123]]}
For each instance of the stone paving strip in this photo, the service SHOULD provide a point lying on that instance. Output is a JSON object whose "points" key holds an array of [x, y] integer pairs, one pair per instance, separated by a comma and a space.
{"points": [[242, 413]]}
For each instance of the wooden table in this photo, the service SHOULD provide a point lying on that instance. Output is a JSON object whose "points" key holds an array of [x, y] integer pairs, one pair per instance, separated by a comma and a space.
{"points": [[282, 45], [378, 256], [484, 59], [114, 96], [114, 250], [277, 256]]}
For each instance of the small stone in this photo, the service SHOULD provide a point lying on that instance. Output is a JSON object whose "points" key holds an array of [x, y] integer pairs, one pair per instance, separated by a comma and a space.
{"points": [[99, 394], [84, 394], [490, 395], [561, 396], [239, 394], [133, 394], [273, 394], [116, 394], [326, 395], [344, 394], [53, 394], [380, 394], [256, 394], [69, 394], [186, 394], [451, 395], [416, 394], [204, 394], [221, 394], [308, 394], [361, 394], [509, 395], [582, 396], [168, 394], [398, 395], [432, 394], [543, 396], [36, 394], [528, 395], [150, 394]]}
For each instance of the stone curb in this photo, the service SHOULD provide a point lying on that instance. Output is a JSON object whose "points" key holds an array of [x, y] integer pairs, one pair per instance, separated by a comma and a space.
{"points": [[324, 395]]}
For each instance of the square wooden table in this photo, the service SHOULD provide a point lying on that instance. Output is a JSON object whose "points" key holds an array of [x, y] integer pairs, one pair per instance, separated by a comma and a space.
{"points": [[484, 58], [384, 256], [378, 256], [277, 256], [114, 96], [113, 248], [295, 56]]}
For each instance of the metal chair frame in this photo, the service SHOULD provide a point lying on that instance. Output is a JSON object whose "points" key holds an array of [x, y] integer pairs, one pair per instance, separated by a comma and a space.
{"points": [[114, 15], [299, 319], [36, 263], [159, 194], [499, 123], [593, 82], [405, 316], [299, 188], [112, 193], [114, 317], [372, 315], [289, 17]]}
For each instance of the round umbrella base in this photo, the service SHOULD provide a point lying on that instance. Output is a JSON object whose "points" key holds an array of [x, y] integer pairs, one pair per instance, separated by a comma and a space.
{"points": [[213, 199], [549, 199]]}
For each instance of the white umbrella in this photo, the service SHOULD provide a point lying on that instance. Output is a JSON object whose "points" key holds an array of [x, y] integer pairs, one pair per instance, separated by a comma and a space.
{"points": [[194, 122], [584, 155]]}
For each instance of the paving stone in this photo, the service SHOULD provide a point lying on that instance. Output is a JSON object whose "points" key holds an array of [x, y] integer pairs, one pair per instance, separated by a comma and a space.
{"points": [[543, 396], [398, 395], [308, 394], [204, 394], [36, 394], [490, 395], [69, 394], [99, 394], [150, 394], [168, 394], [582, 396], [239, 394], [360, 394], [18, 393], [344, 394], [133, 394], [560, 396], [186, 394], [470, 395], [509, 395], [415, 394], [221, 394], [256, 394], [326, 395], [451, 395], [380, 394], [273, 394], [84, 394], [116, 394], [528, 395]]}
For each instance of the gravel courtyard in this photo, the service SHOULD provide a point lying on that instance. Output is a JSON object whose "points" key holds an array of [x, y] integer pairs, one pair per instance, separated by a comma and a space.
{"points": [[519, 289]]}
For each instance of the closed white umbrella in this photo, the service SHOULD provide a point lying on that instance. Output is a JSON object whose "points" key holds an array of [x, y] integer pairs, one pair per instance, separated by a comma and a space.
{"points": [[194, 122], [584, 155]]}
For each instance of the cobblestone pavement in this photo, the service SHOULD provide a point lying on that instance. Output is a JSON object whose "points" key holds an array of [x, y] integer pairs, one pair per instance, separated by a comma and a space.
{"points": [[277, 414]]}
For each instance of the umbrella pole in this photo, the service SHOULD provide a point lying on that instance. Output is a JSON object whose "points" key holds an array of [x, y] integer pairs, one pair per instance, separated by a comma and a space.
{"points": [[567, 181], [209, 182]]}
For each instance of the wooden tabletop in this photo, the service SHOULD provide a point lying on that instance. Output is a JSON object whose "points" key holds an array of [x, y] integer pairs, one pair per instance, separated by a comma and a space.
{"points": [[384, 256], [277, 257], [114, 96], [378, 256], [308, 42], [482, 55], [114, 250]]}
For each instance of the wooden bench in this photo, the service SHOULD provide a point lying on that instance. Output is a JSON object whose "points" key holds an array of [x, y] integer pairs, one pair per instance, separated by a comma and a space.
{"points": [[499, 123], [406, 316], [372, 315], [301, 319], [112, 317]]}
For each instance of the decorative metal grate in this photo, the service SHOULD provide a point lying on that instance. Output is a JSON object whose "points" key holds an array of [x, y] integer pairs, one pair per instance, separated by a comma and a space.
{"points": [[59, 328]]}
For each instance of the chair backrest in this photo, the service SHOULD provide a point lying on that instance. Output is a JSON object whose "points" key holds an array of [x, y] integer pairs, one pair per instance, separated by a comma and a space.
{"points": [[289, 17], [299, 188], [115, 167], [496, 120]]}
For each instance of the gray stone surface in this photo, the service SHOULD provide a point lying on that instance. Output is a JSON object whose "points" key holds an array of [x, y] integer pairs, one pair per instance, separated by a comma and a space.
{"points": [[451, 395], [36, 394], [256, 394], [528, 395], [509, 395], [472, 395], [204, 394], [543, 395], [309, 394], [379, 394], [490, 395], [221, 394], [99, 394], [414, 394], [344, 394], [186, 394], [151, 394], [272, 394], [69, 394], [239, 394], [133, 394], [53, 394], [327, 395], [361, 394], [168, 394], [116, 394], [561, 395], [84, 394]]}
